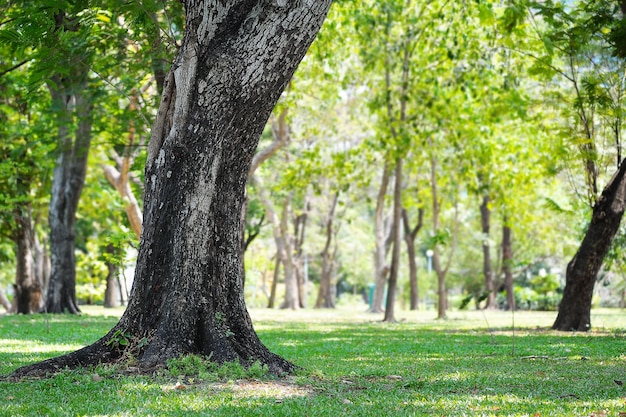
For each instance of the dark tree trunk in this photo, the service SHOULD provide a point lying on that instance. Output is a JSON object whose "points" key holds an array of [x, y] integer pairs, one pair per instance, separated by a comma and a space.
{"points": [[235, 61], [397, 241], [485, 217], [507, 265], [582, 271]]}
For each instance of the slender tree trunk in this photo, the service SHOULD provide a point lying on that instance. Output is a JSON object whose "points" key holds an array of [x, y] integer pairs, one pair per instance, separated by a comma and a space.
{"points": [[42, 264], [440, 269], [582, 271], [507, 265], [409, 238], [281, 239], [4, 301], [325, 294], [485, 217], [292, 290], [27, 289], [272, 301], [280, 135], [397, 242], [111, 293], [299, 233], [381, 269], [235, 61]]}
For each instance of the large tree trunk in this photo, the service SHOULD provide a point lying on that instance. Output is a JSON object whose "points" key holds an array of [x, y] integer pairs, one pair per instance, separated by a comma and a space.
{"points": [[187, 297], [397, 241], [67, 185], [582, 271], [485, 220]]}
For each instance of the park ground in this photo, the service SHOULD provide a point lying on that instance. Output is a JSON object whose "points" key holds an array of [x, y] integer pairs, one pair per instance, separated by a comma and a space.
{"points": [[473, 364]]}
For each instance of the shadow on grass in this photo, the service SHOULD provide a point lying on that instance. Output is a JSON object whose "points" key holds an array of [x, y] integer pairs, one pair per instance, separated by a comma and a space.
{"points": [[349, 369]]}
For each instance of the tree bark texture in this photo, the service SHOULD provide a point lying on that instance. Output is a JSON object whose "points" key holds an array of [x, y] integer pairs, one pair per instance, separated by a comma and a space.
{"points": [[235, 61], [67, 185], [582, 271], [485, 220]]}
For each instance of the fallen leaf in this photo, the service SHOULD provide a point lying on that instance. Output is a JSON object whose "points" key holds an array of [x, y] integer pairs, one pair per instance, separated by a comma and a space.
{"points": [[618, 382], [394, 377], [96, 378], [346, 401], [180, 386], [622, 414], [598, 414], [10, 397]]}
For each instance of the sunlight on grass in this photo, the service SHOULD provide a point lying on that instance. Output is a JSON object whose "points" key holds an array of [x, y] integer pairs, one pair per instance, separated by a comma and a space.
{"points": [[473, 364]]}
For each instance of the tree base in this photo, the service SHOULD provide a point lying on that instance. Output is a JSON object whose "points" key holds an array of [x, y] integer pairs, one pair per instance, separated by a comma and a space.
{"points": [[104, 351]]}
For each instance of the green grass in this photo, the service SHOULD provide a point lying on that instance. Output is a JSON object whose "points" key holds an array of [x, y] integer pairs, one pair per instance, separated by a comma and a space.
{"points": [[473, 364]]}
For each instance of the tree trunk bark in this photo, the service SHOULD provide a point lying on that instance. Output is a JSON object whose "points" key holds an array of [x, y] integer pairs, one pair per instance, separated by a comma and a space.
{"points": [[187, 296], [485, 217], [582, 271], [67, 185], [397, 242]]}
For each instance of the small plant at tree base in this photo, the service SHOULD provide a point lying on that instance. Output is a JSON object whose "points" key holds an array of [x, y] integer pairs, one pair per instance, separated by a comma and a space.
{"points": [[220, 321], [130, 345], [119, 339], [206, 370]]}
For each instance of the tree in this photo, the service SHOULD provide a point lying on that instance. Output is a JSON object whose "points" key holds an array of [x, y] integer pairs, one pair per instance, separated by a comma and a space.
{"points": [[581, 50], [187, 297]]}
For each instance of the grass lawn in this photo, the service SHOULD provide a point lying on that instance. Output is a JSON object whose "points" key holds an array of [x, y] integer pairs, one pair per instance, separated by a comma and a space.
{"points": [[474, 364]]}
